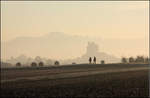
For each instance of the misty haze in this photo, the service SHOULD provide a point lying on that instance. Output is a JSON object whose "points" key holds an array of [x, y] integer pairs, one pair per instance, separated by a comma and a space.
{"points": [[74, 49], [67, 48]]}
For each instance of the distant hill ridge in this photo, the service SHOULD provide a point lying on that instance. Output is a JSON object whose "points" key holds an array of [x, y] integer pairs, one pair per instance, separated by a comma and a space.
{"points": [[56, 44]]}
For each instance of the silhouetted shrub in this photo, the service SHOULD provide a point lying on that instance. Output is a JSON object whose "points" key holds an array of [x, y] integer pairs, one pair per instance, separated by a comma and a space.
{"points": [[73, 63], [124, 60], [56, 63], [33, 64], [41, 64], [18, 64], [147, 60], [131, 60], [102, 62], [139, 59]]}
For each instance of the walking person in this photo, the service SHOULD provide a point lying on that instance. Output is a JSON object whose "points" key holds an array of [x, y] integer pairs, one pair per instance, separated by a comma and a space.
{"points": [[90, 60], [94, 60]]}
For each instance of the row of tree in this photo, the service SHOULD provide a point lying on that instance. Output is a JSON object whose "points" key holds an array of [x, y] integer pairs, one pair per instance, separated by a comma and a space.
{"points": [[34, 64], [28, 60], [138, 59]]}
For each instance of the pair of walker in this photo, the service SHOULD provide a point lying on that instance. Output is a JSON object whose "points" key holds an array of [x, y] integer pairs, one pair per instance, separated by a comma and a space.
{"points": [[94, 60]]}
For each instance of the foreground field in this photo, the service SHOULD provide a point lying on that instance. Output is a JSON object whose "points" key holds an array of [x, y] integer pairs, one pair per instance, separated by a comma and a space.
{"points": [[99, 82]]}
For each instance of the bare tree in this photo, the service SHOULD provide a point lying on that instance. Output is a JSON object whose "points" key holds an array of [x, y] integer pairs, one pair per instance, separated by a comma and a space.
{"points": [[38, 59]]}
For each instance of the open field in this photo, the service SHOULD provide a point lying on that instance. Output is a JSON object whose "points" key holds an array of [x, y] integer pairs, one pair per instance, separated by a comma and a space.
{"points": [[77, 81]]}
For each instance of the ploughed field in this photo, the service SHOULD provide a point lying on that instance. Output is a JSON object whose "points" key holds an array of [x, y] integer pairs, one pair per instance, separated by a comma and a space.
{"points": [[85, 80]]}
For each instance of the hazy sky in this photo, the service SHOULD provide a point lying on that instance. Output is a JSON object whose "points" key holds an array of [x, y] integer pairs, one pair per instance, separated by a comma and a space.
{"points": [[115, 19], [105, 19]]}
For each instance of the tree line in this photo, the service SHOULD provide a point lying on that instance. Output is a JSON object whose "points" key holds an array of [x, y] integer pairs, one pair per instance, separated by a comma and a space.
{"points": [[34, 64], [138, 59]]}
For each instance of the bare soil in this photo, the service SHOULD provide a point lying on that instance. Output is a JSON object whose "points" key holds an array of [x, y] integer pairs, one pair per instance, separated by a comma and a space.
{"points": [[133, 83]]}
